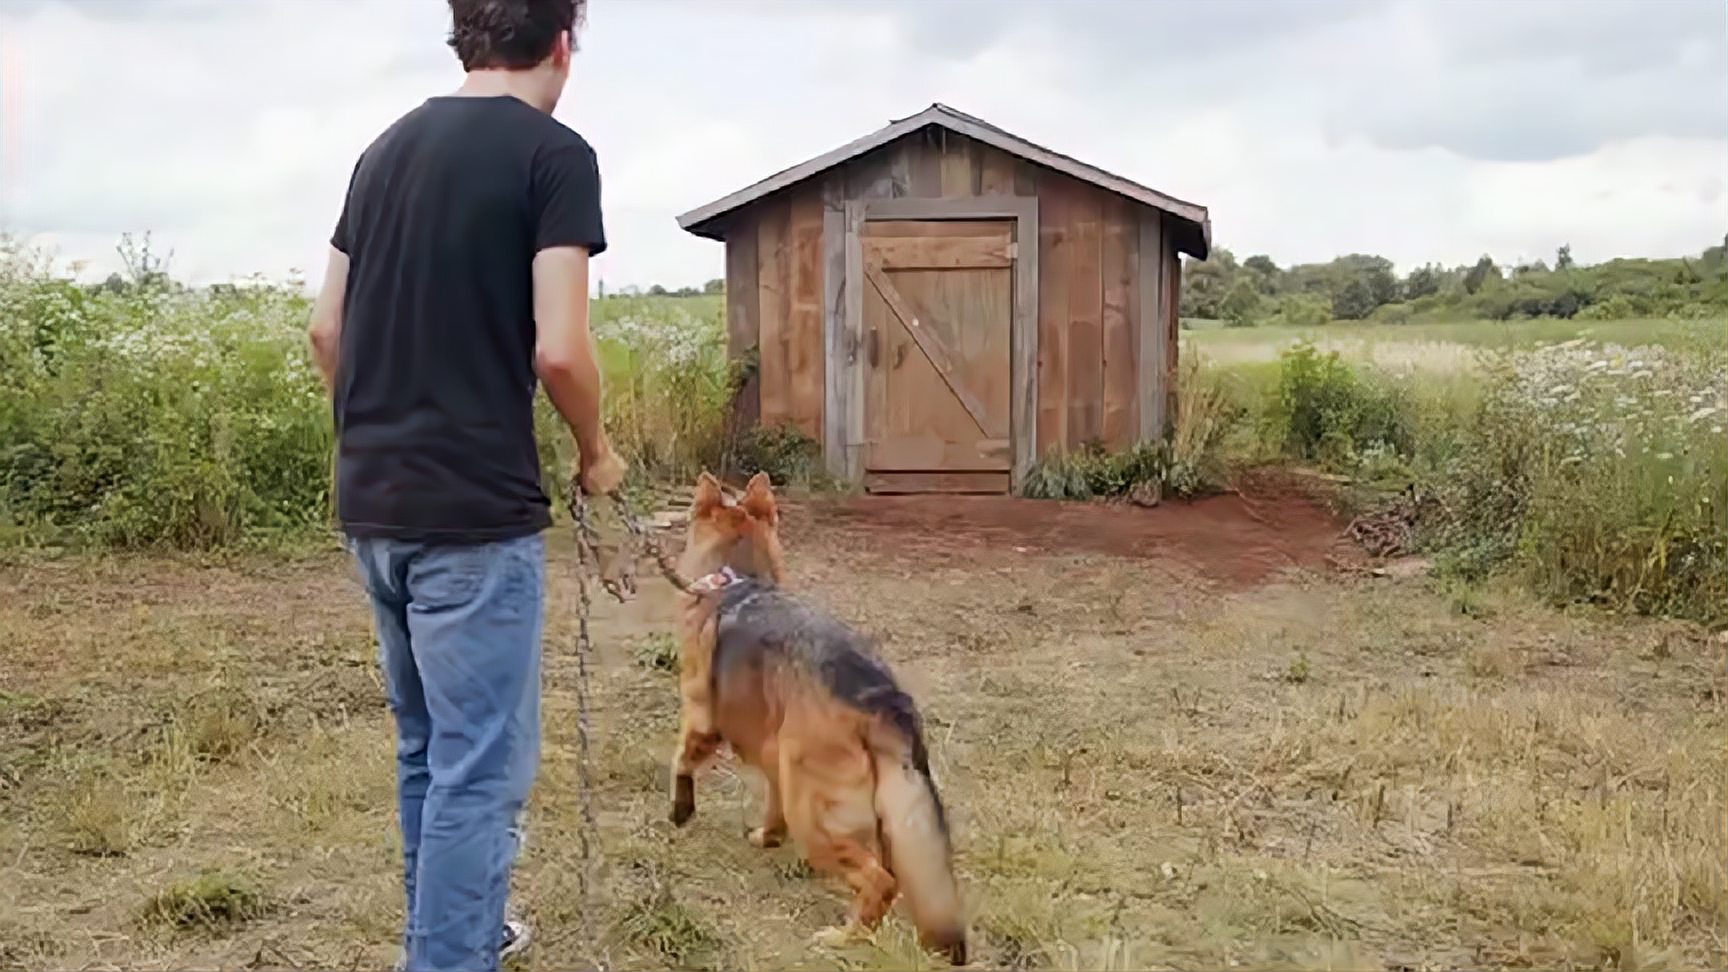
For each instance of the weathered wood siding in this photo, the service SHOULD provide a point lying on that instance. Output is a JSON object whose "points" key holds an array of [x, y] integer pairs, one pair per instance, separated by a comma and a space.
{"points": [[1107, 285]]}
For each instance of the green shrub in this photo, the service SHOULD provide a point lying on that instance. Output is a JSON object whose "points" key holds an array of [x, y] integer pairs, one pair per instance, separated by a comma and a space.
{"points": [[1303, 310], [784, 452], [1323, 410]]}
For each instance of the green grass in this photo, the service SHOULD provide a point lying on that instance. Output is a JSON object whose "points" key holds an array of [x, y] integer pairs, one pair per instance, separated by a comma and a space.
{"points": [[1447, 346]]}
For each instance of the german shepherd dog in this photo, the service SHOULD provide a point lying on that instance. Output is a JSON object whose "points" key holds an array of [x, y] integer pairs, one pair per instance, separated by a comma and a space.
{"points": [[804, 699]]}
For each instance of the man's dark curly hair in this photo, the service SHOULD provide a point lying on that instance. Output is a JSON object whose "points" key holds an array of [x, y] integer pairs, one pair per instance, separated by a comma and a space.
{"points": [[511, 34]]}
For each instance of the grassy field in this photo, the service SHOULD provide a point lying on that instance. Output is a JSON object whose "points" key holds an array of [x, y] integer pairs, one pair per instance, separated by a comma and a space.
{"points": [[1201, 734], [1439, 347], [1199, 746]]}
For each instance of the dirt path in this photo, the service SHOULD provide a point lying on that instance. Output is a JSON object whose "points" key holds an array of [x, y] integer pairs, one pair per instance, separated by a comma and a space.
{"points": [[1233, 539]]}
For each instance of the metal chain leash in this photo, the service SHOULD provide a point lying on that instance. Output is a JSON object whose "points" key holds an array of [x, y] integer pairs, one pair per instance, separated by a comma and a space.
{"points": [[590, 557], [588, 835]]}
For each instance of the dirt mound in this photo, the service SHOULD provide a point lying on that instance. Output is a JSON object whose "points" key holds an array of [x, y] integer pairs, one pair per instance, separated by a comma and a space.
{"points": [[1236, 538]]}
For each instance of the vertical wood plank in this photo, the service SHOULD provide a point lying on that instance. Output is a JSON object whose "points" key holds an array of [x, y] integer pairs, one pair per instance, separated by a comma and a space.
{"points": [[870, 176], [959, 166], [741, 321], [1054, 261], [996, 173], [1025, 334], [853, 297], [772, 255], [1121, 237], [1085, 313], [804, 345], [1149, 328], [923, 160], [836, 349]]}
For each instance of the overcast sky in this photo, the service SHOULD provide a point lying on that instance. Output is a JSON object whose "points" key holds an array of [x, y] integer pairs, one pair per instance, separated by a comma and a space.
{"points": [[1417, 129]]}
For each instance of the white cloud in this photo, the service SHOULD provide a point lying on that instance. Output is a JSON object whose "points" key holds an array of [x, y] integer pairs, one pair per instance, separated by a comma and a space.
{"points": [[1419, 129]]}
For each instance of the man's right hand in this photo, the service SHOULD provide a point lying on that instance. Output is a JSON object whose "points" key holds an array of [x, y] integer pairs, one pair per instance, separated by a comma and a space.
{"points": [[603, 474]]}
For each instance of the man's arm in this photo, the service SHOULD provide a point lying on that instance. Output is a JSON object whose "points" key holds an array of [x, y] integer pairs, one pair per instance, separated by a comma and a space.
{"points": [[565, 360], [564, 355], [565, 194], [325, 331]]}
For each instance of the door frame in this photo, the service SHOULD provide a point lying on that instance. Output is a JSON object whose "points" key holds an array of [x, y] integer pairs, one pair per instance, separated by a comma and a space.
{"points": [[843, 321]]}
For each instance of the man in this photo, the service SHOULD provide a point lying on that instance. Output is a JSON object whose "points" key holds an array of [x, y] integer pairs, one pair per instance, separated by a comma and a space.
{"points": [[458, 275]]}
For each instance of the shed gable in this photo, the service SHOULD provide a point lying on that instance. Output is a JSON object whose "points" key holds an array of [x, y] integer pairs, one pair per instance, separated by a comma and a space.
{"points": [[1191, 224]]}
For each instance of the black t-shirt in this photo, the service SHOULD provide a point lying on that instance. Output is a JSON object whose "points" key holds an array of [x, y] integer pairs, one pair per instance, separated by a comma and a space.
{"points": [[434, 391]]}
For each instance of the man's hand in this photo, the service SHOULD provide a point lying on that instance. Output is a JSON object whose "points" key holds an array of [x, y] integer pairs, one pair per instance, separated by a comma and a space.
{"points": [[602, 474]]}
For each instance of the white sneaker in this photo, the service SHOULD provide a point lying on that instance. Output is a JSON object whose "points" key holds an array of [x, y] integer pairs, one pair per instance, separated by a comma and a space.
{"points": [[514, 941], [517, 935]]}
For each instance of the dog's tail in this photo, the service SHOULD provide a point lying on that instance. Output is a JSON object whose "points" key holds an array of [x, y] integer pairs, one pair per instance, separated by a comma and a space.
{"points": [[914, 828]]}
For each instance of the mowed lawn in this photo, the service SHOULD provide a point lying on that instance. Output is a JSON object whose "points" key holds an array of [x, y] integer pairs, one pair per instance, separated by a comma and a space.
{"points": [[1194, 736]]}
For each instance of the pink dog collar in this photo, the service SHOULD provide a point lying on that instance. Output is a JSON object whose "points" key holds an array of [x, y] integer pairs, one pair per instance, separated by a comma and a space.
{"points": [[719, 580]]}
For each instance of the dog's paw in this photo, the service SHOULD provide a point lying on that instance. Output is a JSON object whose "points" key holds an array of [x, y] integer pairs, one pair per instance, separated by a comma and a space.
{"points": [[683, 801], [764, 838], [837, 936]]}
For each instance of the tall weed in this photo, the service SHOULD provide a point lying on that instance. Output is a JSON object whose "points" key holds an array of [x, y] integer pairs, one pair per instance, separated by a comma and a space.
{"points": [[1189, 461], [1601, 474], [141, 413]]}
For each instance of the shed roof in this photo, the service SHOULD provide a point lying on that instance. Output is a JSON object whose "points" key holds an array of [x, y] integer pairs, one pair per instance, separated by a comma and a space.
{"points": [[1194, 225]]}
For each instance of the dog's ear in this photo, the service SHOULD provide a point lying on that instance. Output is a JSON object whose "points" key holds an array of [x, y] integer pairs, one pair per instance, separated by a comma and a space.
{"points": [[708, 495], [759, 499]]}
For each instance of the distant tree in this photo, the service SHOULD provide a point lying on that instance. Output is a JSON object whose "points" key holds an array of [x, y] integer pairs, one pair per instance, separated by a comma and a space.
{"points": [[1264, 273], [1204, 284], [715, 286], [1355, 301], [1478, 275], [1563, 258], [1241, 304], [1375, 274], [1422, 282]]}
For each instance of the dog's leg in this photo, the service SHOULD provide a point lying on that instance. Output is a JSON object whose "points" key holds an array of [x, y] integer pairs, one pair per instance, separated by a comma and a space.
{"points": [[697, 740], [832, 814], [873, 888], [695, 748], [772, 833]]}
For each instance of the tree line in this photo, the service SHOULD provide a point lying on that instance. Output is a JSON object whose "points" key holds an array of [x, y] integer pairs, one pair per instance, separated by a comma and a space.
{"points": [[1360, 286]]}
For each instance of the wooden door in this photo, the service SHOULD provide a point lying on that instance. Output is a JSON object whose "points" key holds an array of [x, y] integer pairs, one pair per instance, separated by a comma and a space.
{"points": [[938, 389]]}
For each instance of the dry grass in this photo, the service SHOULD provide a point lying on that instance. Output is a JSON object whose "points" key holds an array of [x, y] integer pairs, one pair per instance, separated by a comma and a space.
{"points": [[1144, 772]]}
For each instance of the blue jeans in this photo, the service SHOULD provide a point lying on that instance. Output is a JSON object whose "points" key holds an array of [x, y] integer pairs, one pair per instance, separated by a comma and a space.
{"points": [[459, 643]]}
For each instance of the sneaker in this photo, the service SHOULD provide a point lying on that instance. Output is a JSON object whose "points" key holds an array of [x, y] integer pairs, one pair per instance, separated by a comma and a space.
{"points": [[514, 941], [516, 938]]}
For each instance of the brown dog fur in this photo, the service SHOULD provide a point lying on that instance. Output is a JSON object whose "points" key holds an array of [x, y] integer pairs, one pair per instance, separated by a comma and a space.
{"points": [[847, 778]]}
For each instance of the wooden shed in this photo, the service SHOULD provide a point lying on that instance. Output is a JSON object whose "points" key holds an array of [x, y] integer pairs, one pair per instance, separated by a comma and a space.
{"points": [[941, 302]]}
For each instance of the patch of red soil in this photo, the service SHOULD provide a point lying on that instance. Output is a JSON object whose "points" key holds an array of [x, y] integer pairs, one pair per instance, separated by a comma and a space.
{"points": [[1236, 539]]}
